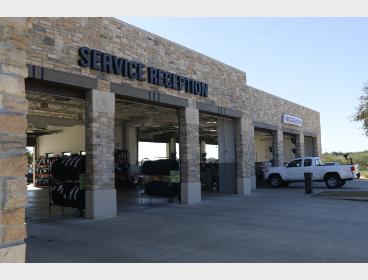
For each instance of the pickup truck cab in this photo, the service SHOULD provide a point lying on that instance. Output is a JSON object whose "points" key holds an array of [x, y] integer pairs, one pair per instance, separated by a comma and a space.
{"points": [[334, 176]]}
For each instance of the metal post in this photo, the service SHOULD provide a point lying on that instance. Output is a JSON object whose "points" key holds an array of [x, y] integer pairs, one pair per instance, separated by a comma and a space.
{"points": [[308, 179]]}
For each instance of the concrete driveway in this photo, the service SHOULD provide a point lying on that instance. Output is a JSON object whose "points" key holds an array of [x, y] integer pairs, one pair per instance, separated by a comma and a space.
{"points": [[271, 225]]}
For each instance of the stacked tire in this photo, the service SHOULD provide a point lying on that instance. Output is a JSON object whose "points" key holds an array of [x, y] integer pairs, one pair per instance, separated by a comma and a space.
{"points": [[67, 193], [69, 168]]}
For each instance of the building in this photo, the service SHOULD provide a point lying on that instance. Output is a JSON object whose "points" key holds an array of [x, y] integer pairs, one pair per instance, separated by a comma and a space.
{"points": [[90, 85]]}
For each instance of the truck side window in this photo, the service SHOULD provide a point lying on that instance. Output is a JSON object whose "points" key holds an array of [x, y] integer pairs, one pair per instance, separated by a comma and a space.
{"points": [[318, 162], [295, 163], [308, 162]]}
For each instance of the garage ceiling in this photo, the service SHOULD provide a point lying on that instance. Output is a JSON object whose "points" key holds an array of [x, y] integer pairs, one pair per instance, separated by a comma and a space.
{"points": [[155, 123]]}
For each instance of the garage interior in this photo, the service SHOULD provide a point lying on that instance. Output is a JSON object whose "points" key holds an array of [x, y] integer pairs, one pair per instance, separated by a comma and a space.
{"points": [[146, 140], [289, 147], [217, 152], [55, 128], [310, 147], [263, 151], [264, 141], [145, 135]]}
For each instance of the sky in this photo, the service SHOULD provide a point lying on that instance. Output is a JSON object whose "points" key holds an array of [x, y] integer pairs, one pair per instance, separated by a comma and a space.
{"points": [[155, 151], [320, 63]]}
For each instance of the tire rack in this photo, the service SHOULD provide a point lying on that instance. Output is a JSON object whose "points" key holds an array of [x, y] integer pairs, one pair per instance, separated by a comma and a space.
{"points": [[53, 185], [45, 165]]}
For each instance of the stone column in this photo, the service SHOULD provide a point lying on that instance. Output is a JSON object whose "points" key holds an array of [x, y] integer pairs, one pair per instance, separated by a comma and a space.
{"points": [[172, 148], [202, 149], [317, 146], [119, 142], [244, 133], [167, 150], [278, 147], [131, 143], [189, 156], [13, 123], [100, 177], [299, 145]]}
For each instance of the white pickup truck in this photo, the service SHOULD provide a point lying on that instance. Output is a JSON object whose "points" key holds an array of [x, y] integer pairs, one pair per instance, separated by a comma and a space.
{"points": [[334, 176]]}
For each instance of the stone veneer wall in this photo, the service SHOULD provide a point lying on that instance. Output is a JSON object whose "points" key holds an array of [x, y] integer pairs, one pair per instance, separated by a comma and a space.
{"points": [[267, 108], [13, 162], [54, 42]]}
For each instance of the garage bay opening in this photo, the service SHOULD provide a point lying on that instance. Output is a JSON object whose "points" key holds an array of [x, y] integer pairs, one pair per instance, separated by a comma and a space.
{"points": [[217, 154], [147, 163], [310, 146], [56, 152], [264, 152], [289, 147]]}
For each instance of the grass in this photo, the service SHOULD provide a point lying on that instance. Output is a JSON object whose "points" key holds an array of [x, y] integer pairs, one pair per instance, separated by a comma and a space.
{"points": [[364, 173]]}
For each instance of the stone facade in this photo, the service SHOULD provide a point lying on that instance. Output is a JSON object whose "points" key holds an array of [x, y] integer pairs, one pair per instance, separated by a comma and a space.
{"points": [[13, 162], [268, 109], [53, 43], [124, 40]]}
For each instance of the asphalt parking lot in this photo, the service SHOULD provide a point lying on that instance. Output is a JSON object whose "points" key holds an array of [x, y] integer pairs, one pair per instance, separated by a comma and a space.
{"points": [[271, 225]]}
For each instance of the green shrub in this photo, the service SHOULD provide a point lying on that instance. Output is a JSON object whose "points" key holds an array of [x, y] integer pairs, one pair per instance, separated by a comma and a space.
{"points": [[359, 157]]}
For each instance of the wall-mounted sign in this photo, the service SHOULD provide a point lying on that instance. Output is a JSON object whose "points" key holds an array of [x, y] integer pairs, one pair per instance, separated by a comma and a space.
{"points": [[109, 63], [292, 120]]}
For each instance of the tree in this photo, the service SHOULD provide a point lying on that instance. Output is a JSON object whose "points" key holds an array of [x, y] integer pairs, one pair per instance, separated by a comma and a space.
{"points": [[29, 157], [362, 111]]}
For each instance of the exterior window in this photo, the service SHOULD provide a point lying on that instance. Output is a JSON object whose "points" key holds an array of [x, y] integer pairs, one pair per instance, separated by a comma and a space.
{"points": [[295, 163], [308, 162]]}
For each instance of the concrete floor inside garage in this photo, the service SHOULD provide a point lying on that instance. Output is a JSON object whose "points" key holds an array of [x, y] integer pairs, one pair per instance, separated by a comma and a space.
{"points": [[271, 225], [38, 210]]}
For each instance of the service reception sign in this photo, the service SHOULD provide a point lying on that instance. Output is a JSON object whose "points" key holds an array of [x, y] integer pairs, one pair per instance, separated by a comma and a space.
{"points": [[292, 120]]}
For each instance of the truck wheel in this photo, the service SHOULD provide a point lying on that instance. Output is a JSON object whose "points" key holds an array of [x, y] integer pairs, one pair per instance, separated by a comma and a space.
{"points": [[275, 181], [332, 181]]}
